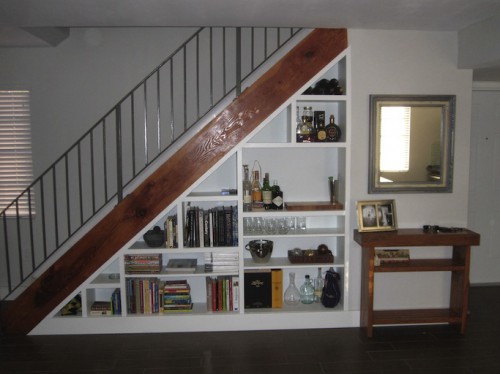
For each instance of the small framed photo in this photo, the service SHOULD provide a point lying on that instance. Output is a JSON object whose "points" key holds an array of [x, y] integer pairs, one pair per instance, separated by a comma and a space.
{"points": [[376, 215]]}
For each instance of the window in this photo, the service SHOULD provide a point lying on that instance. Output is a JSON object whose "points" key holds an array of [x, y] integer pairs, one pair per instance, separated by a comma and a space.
{"points": [[395, 139], [16, 172]]}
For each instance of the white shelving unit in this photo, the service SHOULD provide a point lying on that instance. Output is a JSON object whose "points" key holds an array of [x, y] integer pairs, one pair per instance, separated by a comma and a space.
{"points": [[302, 170]]}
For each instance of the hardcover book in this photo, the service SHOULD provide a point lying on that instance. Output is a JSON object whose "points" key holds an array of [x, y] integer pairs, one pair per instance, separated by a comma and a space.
{"points": [[258, 289], [181, 265]]}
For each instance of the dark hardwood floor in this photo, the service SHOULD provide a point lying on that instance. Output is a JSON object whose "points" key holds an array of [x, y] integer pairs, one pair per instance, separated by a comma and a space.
{"points": [[423, 349]]}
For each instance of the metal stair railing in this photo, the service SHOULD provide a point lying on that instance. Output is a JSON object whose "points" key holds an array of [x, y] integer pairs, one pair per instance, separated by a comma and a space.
{"points": [[94, 172]]}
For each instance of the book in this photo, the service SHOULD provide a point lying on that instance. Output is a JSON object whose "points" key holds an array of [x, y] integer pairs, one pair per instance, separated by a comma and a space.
{"points": [[385, 256], [277, 288], [258, 289], [181, 265], [101, 308]]}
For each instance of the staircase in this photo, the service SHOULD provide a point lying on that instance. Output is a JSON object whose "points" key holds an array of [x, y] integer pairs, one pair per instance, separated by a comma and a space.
{"points": [[185, 166]]}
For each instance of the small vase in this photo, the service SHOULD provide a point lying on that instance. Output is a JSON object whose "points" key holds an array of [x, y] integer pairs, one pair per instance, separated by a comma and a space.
{"points": [[292, 294]]}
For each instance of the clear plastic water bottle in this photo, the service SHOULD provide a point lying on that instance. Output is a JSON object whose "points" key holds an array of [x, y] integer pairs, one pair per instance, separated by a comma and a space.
{"points": [[307, 291]]}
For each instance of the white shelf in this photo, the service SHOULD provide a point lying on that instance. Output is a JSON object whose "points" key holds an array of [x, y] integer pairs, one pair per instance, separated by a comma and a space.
{"points": [[284, 263], [322, 98], [199, 272]]}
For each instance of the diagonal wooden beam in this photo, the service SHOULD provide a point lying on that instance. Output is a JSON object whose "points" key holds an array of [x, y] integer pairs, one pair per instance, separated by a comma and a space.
{"points": [[172, 178]]}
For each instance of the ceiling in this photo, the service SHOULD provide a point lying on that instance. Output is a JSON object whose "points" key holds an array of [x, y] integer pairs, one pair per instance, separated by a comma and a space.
{"points": [[24, 22]]}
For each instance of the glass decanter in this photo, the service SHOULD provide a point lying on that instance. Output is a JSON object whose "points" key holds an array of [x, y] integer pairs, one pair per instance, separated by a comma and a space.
{"points": [[307, 291], [292, 294]]}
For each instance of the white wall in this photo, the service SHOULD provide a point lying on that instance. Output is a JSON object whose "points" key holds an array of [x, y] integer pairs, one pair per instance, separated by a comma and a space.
{"points": [[74, 84], [78, 81], [409, 62]]}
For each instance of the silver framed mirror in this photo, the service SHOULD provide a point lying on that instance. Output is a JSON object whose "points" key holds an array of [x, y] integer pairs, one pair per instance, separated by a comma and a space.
{"points": [[411, 143]]}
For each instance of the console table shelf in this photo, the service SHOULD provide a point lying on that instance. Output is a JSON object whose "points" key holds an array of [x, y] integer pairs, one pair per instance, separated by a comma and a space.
{"points": [[458, 265]]}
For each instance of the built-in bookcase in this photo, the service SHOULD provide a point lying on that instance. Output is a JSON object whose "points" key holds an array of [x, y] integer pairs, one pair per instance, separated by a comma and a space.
{"points": [[302, 171]]}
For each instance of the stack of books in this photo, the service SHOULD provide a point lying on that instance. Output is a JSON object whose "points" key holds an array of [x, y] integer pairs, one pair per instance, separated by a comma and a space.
{"points": [[223, 293], [101, 308], [143, 264], [221, 262], [390, 256], [177, 296]]}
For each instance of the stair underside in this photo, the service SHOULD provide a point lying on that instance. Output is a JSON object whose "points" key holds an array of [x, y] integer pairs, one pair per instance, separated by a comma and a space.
{"points": [[171, 179]]}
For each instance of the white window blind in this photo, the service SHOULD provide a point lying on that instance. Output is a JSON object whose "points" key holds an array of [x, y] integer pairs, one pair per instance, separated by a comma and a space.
{"points": [[395, 139], [15, 150]]}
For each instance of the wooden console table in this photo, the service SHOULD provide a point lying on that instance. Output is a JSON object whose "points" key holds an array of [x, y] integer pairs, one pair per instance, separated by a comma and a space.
{"points": [[458, 264]]}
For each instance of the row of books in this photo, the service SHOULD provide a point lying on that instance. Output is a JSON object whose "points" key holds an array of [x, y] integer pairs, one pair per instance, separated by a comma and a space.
{"points": [[107, 308], [143, 264], [221, 262], [216, 227], [154, 296], [223, 294]]}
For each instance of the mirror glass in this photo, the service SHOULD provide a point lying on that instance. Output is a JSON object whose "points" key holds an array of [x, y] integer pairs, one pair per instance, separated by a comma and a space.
{"points": [[411, 143]]}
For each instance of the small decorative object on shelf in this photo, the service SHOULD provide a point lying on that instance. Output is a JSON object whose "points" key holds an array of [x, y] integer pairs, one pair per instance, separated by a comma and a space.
{"points": [[155, 238], [310, 256], [260, 250], [332, 185], [307, 291], [181, 265], [333, 132], [292, 294]]}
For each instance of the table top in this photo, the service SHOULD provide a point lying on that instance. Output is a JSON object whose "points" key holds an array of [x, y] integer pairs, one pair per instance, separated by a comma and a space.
{"points": [[415, 237]]}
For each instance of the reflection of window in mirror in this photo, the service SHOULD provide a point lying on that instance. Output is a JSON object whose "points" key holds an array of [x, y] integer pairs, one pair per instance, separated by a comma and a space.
{"points": [[395, 138]]}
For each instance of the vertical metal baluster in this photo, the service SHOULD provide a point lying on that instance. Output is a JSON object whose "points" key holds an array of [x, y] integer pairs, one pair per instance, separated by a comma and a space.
{"points": [[146, 158], [238, 61], [68, 209], [54, 191], [224, 60], [32, 242], [119, 164], [104, 160], [80, 186], [252, 47], [7, 257], [92, 170], [44, 226], [198, 75], [19, 243], [265, 42], [158, 132], [185, 87], [172, 111], [211, 69], [132, 129]]}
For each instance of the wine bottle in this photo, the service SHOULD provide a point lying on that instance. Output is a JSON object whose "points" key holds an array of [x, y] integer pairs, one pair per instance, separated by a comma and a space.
{"points": [[257, 203], [307, 125], [299, 127], [267, 194], [247, 190], [277, 196], [333, 132]]}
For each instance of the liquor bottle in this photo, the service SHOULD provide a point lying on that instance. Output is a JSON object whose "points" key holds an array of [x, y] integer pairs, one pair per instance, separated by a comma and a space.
{"points": [[319, 123], [307, 291], [267, 194], [319, 283], [299, 128], [277, 196], [333, 132], [307, 125], [247, 190], [257, 203]]}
